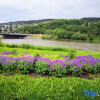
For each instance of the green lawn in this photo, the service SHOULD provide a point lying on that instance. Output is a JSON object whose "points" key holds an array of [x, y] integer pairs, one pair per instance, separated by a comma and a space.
{"points": [[22, 87], [48, 53]]}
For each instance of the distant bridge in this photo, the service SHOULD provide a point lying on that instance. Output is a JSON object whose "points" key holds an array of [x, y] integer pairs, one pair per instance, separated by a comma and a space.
{"points": [[13, 35]]}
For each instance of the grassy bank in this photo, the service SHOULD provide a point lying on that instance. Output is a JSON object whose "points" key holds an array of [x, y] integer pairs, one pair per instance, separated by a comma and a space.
{"points": [[50, 37], [47, 52], [27, 88]]}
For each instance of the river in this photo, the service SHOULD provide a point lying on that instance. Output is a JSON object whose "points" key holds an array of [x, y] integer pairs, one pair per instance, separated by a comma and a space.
{"points": [[54, 43]]}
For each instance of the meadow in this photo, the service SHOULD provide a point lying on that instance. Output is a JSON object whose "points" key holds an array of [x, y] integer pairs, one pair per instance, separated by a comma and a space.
{"points": [[48, 73], [22, 87], [47, 52]]}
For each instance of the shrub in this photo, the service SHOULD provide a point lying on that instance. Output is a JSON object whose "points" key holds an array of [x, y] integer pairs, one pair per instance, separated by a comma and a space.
{"points": [[26, 46], [12, 45], [90, 38], [69, 70], [14, 52], [1, 43], [76, 36], [0, 38], [91, 69], [22, 65], [41, 67], [77, 72], [68, 35], [98, 68], [8, 68], [72, 54], [57, 68], [25, 68], [58, 71], [59, 33], [83, 37]]}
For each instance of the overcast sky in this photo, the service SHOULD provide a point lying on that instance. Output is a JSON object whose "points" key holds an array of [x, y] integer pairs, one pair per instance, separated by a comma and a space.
{"points": [[14, 10]]}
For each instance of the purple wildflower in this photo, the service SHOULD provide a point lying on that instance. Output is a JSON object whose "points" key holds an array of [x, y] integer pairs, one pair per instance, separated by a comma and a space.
{"points": [[7, 53], [58, 62]]}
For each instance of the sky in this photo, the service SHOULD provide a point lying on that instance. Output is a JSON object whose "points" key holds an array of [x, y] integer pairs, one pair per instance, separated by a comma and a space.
{"points": [[16, 10]]}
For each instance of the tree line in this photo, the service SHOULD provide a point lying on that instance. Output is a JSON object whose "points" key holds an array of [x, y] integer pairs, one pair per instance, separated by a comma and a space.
{"points": [[76, 29]]}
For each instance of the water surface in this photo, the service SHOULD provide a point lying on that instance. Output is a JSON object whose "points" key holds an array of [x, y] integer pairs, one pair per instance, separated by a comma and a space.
{"points": [[54, 43]]}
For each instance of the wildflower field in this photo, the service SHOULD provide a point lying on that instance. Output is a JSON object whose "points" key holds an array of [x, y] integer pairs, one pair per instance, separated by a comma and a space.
{"points": [[36, 73]]}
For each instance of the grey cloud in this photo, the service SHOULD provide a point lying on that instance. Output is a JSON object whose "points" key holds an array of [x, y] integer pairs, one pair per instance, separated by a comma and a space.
{"points": [[39, 9]]}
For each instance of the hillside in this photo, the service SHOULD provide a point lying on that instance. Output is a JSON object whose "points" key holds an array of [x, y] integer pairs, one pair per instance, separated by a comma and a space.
{"points": [[26, 22], [87, 29]]}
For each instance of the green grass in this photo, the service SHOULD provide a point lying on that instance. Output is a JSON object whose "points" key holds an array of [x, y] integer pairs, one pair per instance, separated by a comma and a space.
{"points": [[21, 87], [48, 53]]}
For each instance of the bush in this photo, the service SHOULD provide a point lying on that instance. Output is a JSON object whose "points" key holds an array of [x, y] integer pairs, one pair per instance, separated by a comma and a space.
{"points": [[0, 38], [90, 38], [1, 43], [59, 33], [97, 68], [77, 72], [68, 35], [58, 68], [41, 67], [91, 69], [12, 45], [8, 68], [76, 36], [25, 68], [72, 54], [68, 66], [26, 46], [58, 71], [83, 37], [14, 52]]}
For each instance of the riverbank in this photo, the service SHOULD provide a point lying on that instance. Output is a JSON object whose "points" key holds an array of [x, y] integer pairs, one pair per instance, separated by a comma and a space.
{"points": [[49, 37], [55, 43], [45, 50]]}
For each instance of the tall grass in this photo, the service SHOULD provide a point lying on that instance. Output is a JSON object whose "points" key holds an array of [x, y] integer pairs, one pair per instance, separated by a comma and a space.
{"points": [[28, 46], [26, 88]]}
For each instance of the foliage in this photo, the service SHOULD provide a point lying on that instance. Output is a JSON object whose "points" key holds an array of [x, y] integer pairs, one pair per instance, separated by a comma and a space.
{"points": [[58, 68], [64, 29], [72, 54], [0, 38], [28, 64], [22, 65], [76, 36], [42, 65], [83, 37], [26, 88], [24, 68], [47, 52], [14, 52]]}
